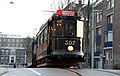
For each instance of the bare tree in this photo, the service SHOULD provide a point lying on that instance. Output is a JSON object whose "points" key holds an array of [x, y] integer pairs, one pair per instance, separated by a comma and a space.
{"points": [[62, 4]]}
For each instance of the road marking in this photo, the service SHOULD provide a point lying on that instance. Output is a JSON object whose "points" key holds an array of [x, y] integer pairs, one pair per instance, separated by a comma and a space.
{"points": [[34, 71]]}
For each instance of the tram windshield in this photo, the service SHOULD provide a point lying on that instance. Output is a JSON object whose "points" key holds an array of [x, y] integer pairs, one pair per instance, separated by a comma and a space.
{"points": [[65, 28], [70, 28]]}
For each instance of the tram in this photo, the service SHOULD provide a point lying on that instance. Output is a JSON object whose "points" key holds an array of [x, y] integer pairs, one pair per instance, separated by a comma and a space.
{"points": [[57, 43]]}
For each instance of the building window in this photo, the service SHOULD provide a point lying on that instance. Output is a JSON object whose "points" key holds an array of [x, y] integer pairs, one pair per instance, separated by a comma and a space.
{"points": [[22, 60], [17, 40], [6, 59], [18, 52], [98, 31], [108, 36], [98, 47], [4, 40], [12, 59], [110, 4], [9, 40], [13, 40], [7, 52], [4, 45], [110, 18], [22, 52], [1, 35], [8, 45], [17, 45], [18, 59], [2, 58], [99, 16], [2, 52], [109, 56], [21, 40], [13, 45], [21, 45]]}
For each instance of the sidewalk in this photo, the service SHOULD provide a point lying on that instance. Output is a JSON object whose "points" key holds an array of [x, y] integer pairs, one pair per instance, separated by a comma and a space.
{"points": [[3, 71], [114, 71]]}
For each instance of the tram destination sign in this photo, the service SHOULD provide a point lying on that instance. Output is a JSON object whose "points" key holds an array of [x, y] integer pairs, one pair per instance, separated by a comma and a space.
{"points": [[66, 13]]}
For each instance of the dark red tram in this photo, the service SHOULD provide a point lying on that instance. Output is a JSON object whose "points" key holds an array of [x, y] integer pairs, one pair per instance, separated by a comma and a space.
{"points": [[57, 43]]}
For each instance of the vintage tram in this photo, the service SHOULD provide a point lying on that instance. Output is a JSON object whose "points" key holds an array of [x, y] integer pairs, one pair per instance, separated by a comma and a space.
{"points": [[57, 43]]}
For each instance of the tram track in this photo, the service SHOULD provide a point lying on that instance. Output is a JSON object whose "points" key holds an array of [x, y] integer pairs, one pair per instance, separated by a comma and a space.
{"points": [[73, 71]]}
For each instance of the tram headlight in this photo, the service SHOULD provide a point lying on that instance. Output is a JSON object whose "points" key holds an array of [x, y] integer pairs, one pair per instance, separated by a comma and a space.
{"points": [[70, 48]]}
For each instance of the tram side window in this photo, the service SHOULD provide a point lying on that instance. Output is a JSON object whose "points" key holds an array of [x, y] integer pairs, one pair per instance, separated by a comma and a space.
{"points": [[37, 40], [41, 38], [70, 27], [45, 34]]}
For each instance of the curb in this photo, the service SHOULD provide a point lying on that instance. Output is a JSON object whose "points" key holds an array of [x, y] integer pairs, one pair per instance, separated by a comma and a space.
{"points": [[110, 72]]}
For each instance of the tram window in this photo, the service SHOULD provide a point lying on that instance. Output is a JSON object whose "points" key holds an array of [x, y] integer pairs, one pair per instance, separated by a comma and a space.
{"points": [[38, 42], [45, 34], [60, 31], [70, 27], [59, 28], [41, 38]]}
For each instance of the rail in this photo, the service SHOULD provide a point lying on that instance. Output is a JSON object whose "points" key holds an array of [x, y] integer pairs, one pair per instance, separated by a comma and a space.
{"points": [[73, 71]]}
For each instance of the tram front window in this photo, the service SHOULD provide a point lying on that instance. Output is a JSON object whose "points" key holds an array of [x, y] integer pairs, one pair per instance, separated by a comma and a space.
{"points": [[65, 28], [59, 28], [70, 28]]}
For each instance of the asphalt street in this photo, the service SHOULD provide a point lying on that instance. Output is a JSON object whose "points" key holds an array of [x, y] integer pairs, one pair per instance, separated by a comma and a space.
{"points": [[38, 72], [57, 72]]}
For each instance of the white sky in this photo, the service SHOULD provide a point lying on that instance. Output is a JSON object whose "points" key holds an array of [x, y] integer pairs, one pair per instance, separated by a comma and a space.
{"points": [[24, 16]]}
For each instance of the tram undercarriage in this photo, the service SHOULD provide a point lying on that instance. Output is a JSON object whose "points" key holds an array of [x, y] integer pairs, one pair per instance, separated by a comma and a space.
{"points": [[59, 61]]}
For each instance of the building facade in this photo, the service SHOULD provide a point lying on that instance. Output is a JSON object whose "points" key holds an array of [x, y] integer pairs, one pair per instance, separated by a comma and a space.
{"points": [[104, 15], [107, 34], [12, 50]]}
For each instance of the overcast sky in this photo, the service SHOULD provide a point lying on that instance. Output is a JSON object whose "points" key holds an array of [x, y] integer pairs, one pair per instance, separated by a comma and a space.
{"points": [[24, 16]]}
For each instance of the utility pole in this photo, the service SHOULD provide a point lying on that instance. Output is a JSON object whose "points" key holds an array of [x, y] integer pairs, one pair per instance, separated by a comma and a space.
{"points": [[93, 35], [87, 33]]}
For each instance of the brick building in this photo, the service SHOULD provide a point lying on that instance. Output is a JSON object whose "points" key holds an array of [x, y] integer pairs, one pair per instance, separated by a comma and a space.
{"points": [[12, 50], [107, 34]]}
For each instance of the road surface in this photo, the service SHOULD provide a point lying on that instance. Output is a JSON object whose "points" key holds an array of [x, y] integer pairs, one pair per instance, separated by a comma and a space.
{"points": [[58, 72], [38, 72]]}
